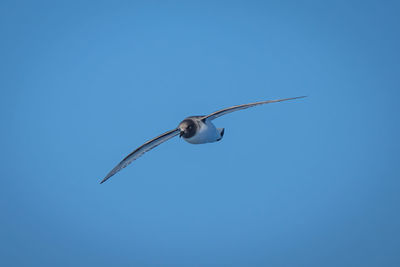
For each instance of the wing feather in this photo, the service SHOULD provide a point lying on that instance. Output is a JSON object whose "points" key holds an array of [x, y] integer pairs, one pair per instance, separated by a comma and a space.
{"points": [[225, 111], [141, 150]]}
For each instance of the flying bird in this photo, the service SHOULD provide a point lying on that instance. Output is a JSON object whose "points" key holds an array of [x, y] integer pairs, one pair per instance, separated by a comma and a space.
{"points": [[194, 130]]}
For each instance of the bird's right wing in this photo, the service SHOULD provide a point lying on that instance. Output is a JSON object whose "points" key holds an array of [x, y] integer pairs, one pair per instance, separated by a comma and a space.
{"points": [[141, 150], [222, 112]]}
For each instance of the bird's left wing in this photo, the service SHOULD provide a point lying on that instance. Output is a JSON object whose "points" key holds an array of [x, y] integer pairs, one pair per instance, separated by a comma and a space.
{"points": [[224, 111], [141, 150]]}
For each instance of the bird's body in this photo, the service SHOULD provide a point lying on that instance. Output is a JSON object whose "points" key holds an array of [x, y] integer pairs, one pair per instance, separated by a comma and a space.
{"points": [[194, 130], [203, 131]]}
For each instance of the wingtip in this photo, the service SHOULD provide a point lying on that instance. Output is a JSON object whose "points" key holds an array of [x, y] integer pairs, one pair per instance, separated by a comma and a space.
{"points": [[112, 172], [293, 98], [285, 99], [105, 179], [297, 97]]}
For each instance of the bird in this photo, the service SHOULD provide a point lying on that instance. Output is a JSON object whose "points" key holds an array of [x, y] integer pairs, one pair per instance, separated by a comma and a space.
{"points": [[193, 129]]}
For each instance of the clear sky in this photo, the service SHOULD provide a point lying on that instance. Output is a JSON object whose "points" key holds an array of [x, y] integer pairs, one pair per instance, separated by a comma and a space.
{"points": [[310, 182]]}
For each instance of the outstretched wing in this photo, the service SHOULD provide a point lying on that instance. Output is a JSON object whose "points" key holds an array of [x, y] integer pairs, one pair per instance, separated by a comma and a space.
{"points": [[141, 150], [222, 112]]}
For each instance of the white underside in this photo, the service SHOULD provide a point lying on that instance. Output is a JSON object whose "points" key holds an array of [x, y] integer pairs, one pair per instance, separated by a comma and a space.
{"points": [[206, 134]]}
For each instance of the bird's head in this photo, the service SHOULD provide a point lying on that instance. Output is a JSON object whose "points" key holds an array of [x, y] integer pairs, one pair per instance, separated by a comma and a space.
{"points": [[188, 128]]}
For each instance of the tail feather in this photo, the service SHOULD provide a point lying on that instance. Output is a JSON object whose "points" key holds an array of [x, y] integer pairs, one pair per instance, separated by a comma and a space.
{"points": [[221, 133]]}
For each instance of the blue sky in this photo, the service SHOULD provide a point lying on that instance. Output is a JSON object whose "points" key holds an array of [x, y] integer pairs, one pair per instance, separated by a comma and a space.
{"points": [[311, 182]]}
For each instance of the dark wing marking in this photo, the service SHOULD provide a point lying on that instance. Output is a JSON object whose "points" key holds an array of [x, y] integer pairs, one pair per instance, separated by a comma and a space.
{"points": [[222, 112], [141, 150]]}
